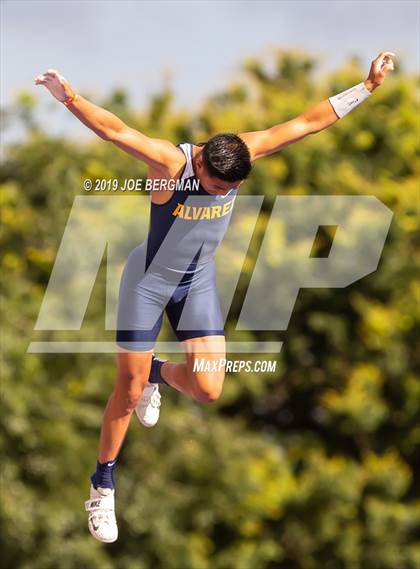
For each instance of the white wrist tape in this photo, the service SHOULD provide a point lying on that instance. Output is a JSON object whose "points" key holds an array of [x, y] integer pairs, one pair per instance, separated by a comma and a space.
{"points": [[346, 101]]}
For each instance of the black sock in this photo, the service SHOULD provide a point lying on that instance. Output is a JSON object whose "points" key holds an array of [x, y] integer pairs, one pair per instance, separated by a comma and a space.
{"points": [[155, 375], [104, 474]]}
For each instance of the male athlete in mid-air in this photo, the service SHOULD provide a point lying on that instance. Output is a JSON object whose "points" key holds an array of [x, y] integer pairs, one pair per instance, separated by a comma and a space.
{"points": [[173, 269]]}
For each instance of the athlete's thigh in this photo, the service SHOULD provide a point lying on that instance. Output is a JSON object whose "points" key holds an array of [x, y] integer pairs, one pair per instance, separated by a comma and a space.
{"points": [[194, 309], [141, 304]]}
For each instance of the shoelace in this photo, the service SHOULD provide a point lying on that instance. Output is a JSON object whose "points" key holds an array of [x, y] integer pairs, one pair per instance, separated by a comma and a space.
{"points": [[106, 514], [155, 399]]}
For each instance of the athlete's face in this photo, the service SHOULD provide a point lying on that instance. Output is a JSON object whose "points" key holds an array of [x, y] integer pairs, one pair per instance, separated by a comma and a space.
{"points": [[218, 187], [212, 185]]}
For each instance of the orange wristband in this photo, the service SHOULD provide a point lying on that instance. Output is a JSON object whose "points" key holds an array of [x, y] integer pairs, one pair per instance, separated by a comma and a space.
{"points": [[70, 100]]}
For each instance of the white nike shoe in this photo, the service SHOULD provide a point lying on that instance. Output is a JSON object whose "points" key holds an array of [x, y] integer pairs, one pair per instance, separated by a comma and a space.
{"points": [[148, 408], [101, 507]]}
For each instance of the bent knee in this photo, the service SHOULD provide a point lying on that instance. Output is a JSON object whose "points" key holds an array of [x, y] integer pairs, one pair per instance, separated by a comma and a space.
{"points": [[208, 389], [129, 390], [132, 398], [207, 396]]}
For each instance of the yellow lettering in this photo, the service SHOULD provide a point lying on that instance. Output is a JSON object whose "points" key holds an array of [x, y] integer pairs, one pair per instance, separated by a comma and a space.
{"points": [[206, 213], [216, 211], [196, 212], [177, 210], [226, 207]]}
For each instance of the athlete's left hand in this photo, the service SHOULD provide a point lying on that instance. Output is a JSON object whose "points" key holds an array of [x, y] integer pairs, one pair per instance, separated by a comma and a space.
{"points": [[382, 65]]}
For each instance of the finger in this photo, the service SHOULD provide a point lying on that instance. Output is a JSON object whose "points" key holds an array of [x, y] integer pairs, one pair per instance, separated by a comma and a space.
{"points": [[387, 62], [383, 59], [384, 54], [377, 65], [54, 75]]}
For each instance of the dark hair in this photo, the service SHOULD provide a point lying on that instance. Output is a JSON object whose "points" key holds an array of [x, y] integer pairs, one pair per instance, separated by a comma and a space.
{"points": [[226, 156]]}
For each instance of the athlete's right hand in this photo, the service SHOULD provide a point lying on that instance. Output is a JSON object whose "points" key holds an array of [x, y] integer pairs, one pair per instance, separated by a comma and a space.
{"points": [[59, 87]]}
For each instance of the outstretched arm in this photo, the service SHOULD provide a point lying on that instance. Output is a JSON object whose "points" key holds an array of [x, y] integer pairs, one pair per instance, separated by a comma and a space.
{"points": [[265, 142], [155, 152]]}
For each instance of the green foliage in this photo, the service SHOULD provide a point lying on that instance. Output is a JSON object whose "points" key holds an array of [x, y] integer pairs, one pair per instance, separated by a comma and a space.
{"points": [[311, 467]]}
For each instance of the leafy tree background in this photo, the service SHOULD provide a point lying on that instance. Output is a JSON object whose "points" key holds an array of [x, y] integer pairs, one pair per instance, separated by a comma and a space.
{"points": [[311, 467]]}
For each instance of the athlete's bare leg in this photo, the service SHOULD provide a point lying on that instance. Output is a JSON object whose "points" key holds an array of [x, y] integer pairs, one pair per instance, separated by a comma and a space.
{"points": [[203, 386], [133, 370]]}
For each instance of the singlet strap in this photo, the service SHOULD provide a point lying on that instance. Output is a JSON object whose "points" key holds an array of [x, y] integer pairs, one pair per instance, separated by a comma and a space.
{"points": [[187, 150]]}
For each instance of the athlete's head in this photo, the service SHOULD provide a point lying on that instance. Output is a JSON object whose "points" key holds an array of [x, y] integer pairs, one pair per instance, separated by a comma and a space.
{"points": [[224, 163]]}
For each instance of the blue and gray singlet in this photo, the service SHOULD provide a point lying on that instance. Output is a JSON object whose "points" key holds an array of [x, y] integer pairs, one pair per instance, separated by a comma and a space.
{"points": [[173, 269]]}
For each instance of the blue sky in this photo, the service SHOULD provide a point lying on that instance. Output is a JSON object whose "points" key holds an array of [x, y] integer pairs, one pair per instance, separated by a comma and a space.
{"points": [[99, 44]]}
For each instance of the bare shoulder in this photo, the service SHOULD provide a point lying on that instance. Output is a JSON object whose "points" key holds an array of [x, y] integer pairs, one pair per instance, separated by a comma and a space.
{"points": [[172, 171], [252, 140], [157, 153], [174, 159]]}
